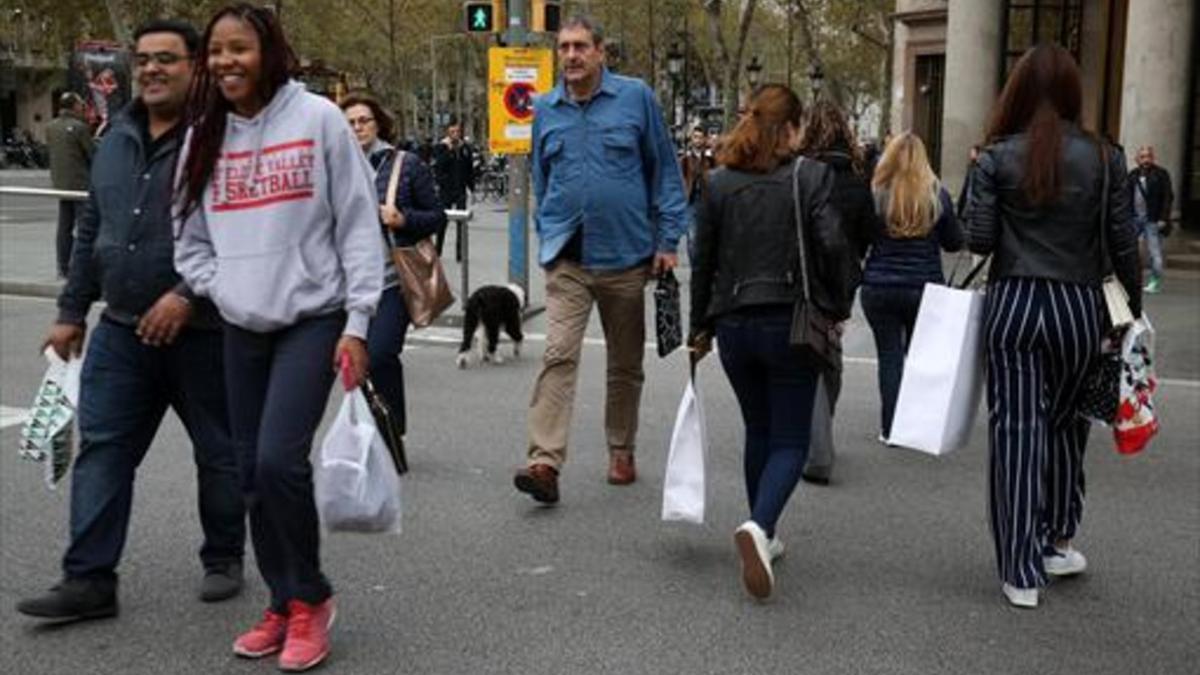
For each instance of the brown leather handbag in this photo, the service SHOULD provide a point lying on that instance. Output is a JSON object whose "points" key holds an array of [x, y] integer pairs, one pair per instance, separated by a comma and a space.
{"points": [[422, 277], [814, 335]]}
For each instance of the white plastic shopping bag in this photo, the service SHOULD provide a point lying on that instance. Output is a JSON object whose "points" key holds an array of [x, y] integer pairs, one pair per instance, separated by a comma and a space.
{"points": [[683, 482], [356, 485], [943, 372], [46, 434], [1136, 422]]}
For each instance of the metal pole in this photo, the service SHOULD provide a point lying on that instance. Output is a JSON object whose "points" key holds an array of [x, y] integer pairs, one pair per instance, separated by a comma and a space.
{"points": [[517, 35]]}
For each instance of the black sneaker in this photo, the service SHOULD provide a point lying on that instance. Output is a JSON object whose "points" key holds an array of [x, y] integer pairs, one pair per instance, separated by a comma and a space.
{"points": [[74, 600], [221, 583]]}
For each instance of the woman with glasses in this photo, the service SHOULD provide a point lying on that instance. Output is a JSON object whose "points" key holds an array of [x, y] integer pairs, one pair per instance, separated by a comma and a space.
{"points": [[416, 214]]}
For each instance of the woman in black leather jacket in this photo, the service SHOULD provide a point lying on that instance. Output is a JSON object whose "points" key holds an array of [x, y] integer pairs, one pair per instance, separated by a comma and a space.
{"points": [[744, 284], [1036, 208], [827, 138]]}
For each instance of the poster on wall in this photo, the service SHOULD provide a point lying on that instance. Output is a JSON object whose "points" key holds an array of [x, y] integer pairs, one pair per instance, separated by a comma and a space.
{"points": [[100, 72]]}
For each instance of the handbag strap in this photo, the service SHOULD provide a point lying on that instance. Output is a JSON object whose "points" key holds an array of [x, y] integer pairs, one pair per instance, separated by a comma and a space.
{"points": [[394, 179], [800, 228], [1104, 205]]}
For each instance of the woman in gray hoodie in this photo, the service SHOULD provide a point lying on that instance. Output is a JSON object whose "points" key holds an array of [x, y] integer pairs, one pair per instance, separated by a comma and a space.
{"points": [[279, 226]]}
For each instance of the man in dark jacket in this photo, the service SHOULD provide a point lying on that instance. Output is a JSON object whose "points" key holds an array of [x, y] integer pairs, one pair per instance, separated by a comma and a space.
{"points": [[70, 143], [1151, 196], [156, 345], [454, 168]]}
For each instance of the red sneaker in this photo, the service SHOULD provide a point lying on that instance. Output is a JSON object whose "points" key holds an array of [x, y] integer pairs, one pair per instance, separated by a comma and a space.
{"points": [[264, 639], [307, 642]]}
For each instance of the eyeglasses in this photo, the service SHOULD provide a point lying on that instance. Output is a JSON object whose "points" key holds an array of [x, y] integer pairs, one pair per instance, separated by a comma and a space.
{"points": [[142, 59], [360, 121]]}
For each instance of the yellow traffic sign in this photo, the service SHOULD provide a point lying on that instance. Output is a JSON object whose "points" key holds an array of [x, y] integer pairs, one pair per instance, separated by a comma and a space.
{"points": [[515, 76]]}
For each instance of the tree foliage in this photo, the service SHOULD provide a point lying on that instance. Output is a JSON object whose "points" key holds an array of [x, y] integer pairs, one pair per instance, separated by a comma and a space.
{"points": [[385, 45]]}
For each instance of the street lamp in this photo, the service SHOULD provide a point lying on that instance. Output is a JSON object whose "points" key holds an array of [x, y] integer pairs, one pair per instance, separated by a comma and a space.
{"points": [[674, 68], [753, 71], [816, 79]]}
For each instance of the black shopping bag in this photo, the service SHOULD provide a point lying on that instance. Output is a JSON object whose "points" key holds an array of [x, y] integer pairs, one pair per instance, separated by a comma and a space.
{"points": [[668, 323]]}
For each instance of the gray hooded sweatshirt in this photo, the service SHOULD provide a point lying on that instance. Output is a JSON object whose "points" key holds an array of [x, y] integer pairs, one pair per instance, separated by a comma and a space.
{"points": [[289, 226]]}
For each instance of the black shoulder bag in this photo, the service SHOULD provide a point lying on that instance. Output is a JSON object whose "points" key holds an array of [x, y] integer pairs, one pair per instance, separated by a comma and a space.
{"points": [[814, 334]]}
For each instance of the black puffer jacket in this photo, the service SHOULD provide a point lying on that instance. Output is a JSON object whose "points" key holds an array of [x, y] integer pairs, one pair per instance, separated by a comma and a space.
{"points": [[746, 247], [1060, 241]]}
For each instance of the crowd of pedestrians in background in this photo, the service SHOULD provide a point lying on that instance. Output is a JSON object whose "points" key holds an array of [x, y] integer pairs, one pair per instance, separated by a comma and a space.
{"points": [[235, 218]]}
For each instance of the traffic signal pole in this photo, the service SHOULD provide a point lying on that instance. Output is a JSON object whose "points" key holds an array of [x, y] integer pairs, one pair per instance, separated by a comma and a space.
{"points": [[517, 35]]}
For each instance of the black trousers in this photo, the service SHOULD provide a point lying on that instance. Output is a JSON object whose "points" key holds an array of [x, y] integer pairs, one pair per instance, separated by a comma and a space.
{"points": [[64, 241], [279, 384], [452, 202]]}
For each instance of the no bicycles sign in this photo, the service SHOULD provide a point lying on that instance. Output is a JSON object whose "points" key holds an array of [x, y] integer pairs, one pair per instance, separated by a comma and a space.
{"points": [[515, 76]]}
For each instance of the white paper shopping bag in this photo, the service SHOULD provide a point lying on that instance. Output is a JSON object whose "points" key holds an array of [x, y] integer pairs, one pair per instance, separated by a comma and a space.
{"points": [[943, 372], [683, 482]]}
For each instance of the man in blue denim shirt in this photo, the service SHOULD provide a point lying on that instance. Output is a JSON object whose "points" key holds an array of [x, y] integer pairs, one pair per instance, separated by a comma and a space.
{"points": [[610, 213]]}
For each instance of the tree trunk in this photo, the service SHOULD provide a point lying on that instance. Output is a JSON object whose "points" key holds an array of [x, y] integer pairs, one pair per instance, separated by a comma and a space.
{"points": [[120, 24], [729, 65]]}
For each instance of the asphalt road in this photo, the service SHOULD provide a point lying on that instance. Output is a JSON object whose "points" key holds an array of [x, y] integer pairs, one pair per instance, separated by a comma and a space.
{"points": [[889, 570]]}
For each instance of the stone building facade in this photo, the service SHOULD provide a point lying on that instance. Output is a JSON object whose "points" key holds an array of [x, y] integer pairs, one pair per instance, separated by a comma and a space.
{"points": [[1140, 74]]}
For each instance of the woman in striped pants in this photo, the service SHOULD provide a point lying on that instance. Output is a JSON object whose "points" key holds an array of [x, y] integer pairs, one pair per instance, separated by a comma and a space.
{"points": [[1038, 206]]}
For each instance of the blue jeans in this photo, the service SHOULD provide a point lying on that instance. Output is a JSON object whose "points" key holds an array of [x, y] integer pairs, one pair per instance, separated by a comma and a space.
{"points": [[385, 342], [775, 389], [279, 384], [892, 312], [1149, 232], [125, 390]]}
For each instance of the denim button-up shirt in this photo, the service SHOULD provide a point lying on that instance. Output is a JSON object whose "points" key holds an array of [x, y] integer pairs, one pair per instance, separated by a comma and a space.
{"points": [[607, 166]]}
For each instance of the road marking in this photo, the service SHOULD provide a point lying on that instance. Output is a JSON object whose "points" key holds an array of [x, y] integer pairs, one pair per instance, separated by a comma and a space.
{"points": [[453, 336], [10, 416]]}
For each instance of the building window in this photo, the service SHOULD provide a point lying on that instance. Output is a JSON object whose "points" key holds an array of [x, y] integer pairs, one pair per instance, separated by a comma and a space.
{"points": [[1032, 22]]}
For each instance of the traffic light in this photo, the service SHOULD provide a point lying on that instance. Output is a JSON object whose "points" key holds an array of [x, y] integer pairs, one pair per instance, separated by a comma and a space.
{"points": [[546, 16], [486, 16]]}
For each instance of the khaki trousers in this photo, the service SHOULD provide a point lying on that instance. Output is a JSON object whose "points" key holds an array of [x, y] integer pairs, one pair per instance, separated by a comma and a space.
{"points": [[570, 292]]}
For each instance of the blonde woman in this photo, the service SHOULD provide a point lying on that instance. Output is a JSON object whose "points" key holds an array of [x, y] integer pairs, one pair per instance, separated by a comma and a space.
{"points": [[916, 222]]}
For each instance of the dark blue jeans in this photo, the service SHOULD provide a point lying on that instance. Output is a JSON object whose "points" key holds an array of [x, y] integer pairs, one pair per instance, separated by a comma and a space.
{"points": [[892, 312], [278, 386], [125, 390], [775, 389], [385, 342]]}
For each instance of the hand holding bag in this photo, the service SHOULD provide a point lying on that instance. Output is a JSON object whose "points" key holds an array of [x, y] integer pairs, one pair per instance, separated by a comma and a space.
{"points": [[683, 479], [813, 334], [422, 278], [668, 323]]}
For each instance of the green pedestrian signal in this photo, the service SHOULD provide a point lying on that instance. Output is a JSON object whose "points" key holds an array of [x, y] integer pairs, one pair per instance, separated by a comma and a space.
{"points": [[481, 17]]}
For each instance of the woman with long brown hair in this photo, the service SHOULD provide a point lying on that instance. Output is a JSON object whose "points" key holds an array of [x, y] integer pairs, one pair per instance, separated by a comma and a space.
{"points": [[745, 282], [280, 227], [828, 138], [916, 223], [1037, 209]]}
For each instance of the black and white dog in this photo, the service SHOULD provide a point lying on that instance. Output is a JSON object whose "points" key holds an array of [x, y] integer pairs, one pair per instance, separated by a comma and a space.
{"points": [[489, 309]]}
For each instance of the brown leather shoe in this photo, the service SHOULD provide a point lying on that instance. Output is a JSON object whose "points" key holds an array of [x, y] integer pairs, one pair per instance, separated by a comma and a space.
{"points": [[539, 481], [621, 469]]}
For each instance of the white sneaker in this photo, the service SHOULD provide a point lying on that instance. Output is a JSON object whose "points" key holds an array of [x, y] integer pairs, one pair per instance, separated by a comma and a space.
{"points": [[1025, 598], [754, 548], [775, 548], [1064, 562]]}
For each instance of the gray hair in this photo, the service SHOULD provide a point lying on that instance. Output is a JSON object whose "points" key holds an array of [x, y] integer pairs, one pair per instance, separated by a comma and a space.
{"points": [[582, 21]]}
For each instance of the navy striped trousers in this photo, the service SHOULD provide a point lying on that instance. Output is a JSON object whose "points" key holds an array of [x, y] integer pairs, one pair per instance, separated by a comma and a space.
{"points": [[1041, 336]]}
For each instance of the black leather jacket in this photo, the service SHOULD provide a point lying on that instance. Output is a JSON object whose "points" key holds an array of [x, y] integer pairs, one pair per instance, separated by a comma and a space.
{"points": [[1060, 241], [746, 247]]}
